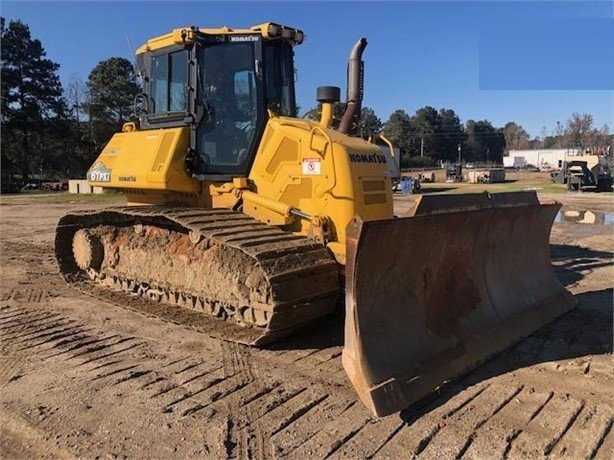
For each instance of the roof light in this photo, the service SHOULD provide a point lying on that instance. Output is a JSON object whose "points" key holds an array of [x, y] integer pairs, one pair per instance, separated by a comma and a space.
{"points": [[274, 31]]}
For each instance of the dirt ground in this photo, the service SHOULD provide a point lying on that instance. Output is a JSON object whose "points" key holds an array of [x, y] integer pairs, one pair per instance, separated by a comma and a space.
{"points": [[82, 377]]}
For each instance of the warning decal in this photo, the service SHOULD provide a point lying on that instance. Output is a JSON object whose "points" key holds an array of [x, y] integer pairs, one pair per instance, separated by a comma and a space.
{"points": [[311, 166]]}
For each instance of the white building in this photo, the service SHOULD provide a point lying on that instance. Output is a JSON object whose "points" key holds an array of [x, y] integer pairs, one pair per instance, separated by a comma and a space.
{"points": [[543, 159]]}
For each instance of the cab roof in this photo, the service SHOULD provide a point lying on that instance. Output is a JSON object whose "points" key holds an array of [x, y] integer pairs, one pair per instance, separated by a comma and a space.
{"points": [[187, 35]]}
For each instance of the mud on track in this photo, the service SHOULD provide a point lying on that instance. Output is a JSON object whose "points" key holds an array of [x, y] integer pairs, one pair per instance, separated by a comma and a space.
{"points": [[80, 376]]}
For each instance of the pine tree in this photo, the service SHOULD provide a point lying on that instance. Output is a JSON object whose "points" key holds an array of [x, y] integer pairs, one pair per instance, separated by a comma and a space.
{"points": [[112, 87], [31, 100]]}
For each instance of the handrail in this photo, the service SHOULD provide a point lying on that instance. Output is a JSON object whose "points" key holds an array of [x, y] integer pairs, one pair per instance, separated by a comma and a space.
{"points": [[328, 143]]}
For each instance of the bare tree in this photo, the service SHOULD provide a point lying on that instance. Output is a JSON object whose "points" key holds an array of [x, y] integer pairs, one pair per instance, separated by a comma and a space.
{"points": [[76, 95], [579, 131], [516, 138]]}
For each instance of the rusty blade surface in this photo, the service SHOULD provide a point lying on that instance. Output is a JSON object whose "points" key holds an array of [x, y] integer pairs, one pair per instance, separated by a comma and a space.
{"points": [[432, 296]]}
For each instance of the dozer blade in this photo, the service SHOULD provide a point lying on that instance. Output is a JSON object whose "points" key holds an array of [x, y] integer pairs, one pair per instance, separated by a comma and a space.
{"points": [[431, 296]]}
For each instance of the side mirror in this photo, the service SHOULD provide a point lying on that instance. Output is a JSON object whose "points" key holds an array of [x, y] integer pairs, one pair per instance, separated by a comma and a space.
{"points": [[141, 104]]}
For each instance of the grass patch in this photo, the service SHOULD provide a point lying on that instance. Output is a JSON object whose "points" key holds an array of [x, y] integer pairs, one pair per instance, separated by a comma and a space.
{"points": [[65, 197], [512, 186]]}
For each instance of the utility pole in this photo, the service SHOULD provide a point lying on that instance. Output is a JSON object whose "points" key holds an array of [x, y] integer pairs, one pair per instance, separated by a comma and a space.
{"points": [[459, 153], [422, 146], [487, 152]]}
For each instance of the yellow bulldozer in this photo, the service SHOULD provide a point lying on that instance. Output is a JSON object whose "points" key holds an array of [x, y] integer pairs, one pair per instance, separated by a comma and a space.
{"points": [[240, 210]]}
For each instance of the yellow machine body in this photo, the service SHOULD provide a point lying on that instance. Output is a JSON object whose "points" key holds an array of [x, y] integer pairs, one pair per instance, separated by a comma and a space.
{"points": [[299, 165]]}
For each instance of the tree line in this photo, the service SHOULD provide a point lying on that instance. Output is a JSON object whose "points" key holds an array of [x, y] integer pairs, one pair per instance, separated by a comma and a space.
{"points": [[430, 136], [51, 131]]}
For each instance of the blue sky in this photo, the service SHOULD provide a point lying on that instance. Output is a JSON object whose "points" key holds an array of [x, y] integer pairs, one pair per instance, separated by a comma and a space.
{"points": [[420, 53]]}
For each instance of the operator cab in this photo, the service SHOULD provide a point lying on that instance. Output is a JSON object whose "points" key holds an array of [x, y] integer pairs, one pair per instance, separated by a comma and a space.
{"points": [[223, 84]]}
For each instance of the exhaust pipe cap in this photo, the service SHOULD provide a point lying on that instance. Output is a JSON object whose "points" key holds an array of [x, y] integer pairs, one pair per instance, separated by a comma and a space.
{"points": [[328, 94]]}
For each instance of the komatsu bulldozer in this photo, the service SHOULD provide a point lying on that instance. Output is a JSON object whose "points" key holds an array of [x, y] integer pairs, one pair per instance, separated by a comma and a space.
{"points": [[240, 210]]}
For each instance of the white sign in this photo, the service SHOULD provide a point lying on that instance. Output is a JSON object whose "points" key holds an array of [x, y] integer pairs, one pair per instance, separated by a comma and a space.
{"points": [[311, 166], [99, 173]]}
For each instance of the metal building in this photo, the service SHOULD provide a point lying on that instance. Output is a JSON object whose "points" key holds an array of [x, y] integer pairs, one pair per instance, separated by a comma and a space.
{"points": [[543, 159]]}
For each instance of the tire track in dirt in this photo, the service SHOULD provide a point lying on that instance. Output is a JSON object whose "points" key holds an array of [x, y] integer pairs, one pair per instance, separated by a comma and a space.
{"points": [[10, 368], [255, 411], [370, 439], [453, 439], [587, 433], [27, 295], [21, 330], [413, 438], [524, 407], [604, 446], [264, 411], [541, 435], [265, 418], [281, 415], [334, 433], [285, 441], [32, 326], [271, 419], [50, 335]]}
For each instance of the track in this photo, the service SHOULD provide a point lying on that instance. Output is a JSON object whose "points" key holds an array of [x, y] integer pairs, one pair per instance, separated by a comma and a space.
{"points": [[81, 376], [215, 262]]}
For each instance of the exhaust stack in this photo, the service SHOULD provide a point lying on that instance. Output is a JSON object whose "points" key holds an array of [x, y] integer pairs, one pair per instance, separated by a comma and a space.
{"points": [[355, 86]]}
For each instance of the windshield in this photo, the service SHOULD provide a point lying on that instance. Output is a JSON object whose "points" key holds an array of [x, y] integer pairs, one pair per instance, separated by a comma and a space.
{"points": [[228, 85]]}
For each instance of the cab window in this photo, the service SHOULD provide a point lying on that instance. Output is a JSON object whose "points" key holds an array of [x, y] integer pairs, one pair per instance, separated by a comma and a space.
{"points": [[279, 75], [169, 81]]}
